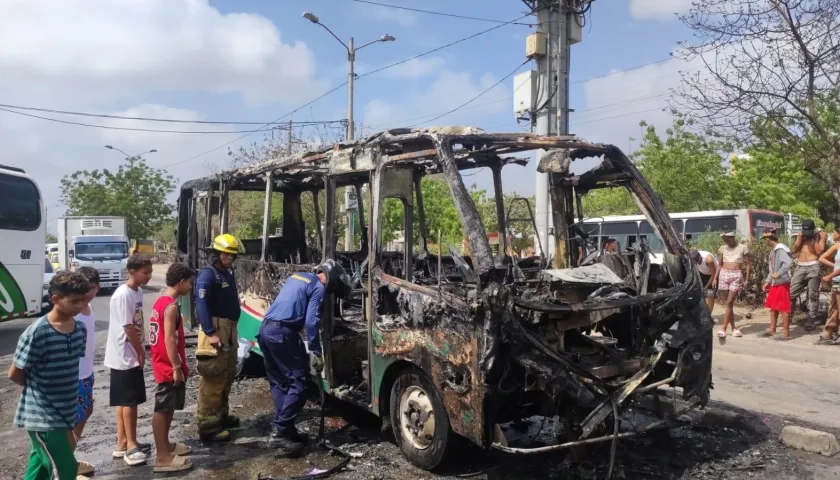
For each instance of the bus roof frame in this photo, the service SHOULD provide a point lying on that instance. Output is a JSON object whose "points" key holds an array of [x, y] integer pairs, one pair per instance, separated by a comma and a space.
{"points": [[350, 162]]}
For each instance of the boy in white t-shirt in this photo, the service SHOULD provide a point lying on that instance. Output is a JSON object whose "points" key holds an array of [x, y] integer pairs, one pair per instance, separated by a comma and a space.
{"points": [[84, 407], [125, 356]]}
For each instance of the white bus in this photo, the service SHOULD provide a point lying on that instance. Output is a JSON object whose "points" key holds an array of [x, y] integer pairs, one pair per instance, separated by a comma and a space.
{"points": [[628, 229], [22, 232]]}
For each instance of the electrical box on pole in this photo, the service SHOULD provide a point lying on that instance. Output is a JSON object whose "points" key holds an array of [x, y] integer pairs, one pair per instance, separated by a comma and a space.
{"points": [[535, 45], [524, 87]]}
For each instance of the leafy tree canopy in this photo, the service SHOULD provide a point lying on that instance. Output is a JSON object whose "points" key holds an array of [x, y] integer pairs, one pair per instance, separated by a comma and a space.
{"points": [[134, 191]]}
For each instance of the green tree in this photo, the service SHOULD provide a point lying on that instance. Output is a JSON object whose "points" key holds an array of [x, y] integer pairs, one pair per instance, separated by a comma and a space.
{"points": [[774, 63], [685, 168], [134, 191], [51, 238], [166, 233], [608, 201], [764, 179]]}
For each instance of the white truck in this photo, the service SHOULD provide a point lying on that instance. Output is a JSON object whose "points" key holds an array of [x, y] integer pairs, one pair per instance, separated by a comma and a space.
{"points": [[98, 242]]}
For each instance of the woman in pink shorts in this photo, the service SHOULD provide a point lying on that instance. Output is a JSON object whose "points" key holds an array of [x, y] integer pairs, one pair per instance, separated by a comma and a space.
{"points": [[733, 257]]}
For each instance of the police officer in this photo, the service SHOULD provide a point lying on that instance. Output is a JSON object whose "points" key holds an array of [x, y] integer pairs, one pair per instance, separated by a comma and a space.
{"points": [[217, 310], [297, 306]]}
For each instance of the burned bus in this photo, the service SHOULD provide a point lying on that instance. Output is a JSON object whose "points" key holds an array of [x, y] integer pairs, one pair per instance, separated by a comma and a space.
{"points": [[440, 344]]}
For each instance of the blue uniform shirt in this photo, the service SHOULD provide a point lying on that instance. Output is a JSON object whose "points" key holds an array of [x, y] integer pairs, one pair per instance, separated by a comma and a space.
{"points": [[215, 296], [298, 305]]}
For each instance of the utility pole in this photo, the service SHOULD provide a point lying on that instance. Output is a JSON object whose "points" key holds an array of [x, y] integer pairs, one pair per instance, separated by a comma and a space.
{"points": [[290, 138], [349, 205], [559, 25]]}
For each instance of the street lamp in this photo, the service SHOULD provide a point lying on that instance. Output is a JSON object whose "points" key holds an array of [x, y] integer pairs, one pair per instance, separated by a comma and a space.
{"points": [[131, 159], [351, 57]]}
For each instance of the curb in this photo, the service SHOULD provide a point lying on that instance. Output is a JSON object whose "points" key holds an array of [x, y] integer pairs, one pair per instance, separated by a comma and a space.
{"points": [[809, 440]]}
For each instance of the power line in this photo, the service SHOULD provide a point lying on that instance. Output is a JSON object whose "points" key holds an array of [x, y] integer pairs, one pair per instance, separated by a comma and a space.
{"points": [[132, 129], [475, 97], [456, 42], [442, 14], [151, 119], [255, 131], [523, 83], [345, 83]]}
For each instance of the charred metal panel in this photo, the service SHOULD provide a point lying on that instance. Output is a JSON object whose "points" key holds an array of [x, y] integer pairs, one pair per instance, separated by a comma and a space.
{"points": [[470, 219], [436, 333]]}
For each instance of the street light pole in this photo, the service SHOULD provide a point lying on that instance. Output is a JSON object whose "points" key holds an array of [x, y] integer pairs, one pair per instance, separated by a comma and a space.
{"points": [[351, 80], [350, 132], [131, 158]]}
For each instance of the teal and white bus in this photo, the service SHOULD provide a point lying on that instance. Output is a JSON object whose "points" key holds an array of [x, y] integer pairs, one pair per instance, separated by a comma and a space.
{"points": [[22, 232]]}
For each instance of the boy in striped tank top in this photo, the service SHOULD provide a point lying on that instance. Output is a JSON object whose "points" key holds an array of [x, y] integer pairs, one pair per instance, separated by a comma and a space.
{"points": [[46, 365], [169, 364]]}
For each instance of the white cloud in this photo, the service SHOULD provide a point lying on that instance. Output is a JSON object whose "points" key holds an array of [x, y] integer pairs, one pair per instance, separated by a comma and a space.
{"points": [[658, 9], [391, 15], [616, 103], [446, 92], [418, 67], [106, 48]]}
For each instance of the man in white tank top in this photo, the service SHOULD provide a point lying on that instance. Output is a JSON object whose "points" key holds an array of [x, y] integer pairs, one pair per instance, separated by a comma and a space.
{"points": [[707, 266]]}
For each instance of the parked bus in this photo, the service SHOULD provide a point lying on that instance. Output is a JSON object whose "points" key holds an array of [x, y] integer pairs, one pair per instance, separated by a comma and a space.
{"points": [[439, 345], [22, 232], [628, 229]]}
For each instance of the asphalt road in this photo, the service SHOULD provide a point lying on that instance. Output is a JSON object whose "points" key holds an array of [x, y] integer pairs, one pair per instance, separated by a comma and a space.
{"points": [[10, 331]]}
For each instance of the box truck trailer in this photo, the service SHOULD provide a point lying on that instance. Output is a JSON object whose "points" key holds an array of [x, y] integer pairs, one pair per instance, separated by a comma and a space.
{"points": [[98, 242]]}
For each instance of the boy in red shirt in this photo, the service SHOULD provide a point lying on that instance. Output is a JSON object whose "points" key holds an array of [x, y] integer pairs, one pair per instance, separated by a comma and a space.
{"points": [[169, 364]]}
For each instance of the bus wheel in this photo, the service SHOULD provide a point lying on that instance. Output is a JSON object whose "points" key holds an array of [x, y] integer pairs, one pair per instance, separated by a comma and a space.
{"points": [[420, 422]]}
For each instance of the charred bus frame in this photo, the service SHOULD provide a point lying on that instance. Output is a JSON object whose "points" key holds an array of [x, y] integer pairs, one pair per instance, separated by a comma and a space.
{"points": [[440, 344]]}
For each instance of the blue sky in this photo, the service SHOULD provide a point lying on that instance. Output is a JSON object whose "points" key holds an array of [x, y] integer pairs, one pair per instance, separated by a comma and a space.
{"points": [[255, 60]]}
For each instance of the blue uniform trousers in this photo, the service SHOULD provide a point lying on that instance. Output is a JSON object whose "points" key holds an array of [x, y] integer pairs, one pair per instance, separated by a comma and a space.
{"points": [[287, 369]]}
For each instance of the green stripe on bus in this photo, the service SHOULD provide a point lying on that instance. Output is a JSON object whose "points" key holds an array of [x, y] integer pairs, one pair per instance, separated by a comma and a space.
{"points": [[11, 297]]}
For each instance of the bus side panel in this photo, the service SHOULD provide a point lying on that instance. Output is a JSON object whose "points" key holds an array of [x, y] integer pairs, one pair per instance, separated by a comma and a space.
{"points": [[21, 261], [21, 287]]}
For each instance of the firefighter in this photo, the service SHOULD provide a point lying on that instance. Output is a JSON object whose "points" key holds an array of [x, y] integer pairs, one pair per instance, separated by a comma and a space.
{"points": [[297, 307], [217, 310]]}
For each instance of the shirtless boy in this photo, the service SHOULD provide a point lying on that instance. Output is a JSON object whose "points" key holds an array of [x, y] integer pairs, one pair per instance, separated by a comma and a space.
{"points": [[809, 245]]}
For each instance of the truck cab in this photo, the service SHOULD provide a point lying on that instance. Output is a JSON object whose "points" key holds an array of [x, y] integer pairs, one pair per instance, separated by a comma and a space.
{"points": [[98, 242]]}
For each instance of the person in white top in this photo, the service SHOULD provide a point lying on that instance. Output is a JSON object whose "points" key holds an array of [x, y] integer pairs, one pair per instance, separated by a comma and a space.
{"points": [[707, 265], [125, 356], [84, 407]]}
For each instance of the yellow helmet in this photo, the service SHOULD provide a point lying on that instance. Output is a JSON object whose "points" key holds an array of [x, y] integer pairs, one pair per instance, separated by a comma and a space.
{"points": [[227, 243]]}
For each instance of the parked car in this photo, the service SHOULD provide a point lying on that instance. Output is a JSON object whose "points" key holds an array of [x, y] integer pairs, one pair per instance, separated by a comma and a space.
{"points": [[49, 272]]}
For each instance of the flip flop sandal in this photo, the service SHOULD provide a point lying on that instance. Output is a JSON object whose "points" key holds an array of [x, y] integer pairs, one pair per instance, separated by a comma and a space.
{"points": [[721, 334], [85, 468], [179, 464], [824, 341], [144, 447], [181, 449], [782, 339], [135, 457], [737, 333], [766, 334]]}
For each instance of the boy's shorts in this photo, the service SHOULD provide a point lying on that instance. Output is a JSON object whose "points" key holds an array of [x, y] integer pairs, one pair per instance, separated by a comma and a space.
{"points": [[170, 397], [128, 387], [85, 401]]}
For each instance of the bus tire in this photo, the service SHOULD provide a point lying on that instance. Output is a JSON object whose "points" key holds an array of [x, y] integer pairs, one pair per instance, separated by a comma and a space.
{"points": [[419, 420]]}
